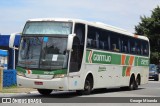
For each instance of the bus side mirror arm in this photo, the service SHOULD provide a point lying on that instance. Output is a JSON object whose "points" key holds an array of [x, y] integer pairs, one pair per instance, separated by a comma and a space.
{"points": [[11, 45], [70, 41], [11, 39]]}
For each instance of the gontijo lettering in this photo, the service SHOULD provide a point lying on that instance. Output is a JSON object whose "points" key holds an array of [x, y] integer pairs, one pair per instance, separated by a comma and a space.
{"points": [[104, 58]]}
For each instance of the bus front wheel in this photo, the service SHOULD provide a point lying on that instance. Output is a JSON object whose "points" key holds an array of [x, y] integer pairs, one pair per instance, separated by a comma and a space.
{"points": [[87, 86], [44, 91]]}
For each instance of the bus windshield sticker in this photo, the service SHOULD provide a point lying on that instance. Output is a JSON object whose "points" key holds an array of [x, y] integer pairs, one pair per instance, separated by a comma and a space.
{"points": [[45, 39], [54, 58]]}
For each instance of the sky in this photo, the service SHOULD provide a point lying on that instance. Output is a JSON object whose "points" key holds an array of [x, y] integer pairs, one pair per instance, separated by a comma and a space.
{"points": [[124, 14]]}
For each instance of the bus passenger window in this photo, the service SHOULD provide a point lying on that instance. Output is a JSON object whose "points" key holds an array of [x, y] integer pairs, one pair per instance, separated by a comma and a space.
{"points": [[93, 44], [125, 49], [101, 46], [114, 48], [97, 40], [145, 48], [133, 50], [141, 51], [138, 50], [106, 46], [145, 51], [89, 42]]}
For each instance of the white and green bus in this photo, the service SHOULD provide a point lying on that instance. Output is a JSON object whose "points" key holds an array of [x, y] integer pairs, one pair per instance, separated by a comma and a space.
{"points": [[73, 54]]}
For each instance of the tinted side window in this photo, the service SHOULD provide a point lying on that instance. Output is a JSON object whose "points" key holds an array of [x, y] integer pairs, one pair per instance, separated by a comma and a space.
{"points": [[145, 48], [104, 40], [135, 46], [92, 38], [98, 38], [139, 47], [115, 42], [107, 40], [124, 44]]}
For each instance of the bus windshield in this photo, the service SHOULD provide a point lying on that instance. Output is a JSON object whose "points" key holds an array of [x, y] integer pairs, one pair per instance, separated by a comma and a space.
{"points": [[48, 27], [43, 52]]}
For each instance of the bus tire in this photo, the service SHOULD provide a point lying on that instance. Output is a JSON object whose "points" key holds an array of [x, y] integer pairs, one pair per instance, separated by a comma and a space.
{"points": [[133, 84], [88, 85], [44, 91], [136, 84], [138, 79]]}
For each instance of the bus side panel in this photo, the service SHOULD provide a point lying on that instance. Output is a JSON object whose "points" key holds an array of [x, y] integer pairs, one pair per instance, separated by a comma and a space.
{"points": [[144, 72], [106, 76], [75, 81]]}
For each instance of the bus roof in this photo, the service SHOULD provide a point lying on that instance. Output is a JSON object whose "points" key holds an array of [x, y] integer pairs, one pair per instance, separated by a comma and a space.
{"points": [[95, 24]]}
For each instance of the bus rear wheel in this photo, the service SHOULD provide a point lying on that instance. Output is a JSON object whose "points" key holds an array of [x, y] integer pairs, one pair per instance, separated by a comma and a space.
{"points": [[133, 84], [44, 91]]}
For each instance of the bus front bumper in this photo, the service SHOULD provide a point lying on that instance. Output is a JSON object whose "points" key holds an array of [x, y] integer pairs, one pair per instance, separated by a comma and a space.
{"points": [[55, 84]]}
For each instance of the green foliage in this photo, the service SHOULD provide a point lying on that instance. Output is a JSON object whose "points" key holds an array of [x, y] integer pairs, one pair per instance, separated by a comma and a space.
{"points": [[150, 27], [154, 57]]}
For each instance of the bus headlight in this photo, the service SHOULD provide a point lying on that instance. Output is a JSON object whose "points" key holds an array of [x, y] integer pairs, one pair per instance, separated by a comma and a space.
{"points": [[59, 76], [20, 74]]}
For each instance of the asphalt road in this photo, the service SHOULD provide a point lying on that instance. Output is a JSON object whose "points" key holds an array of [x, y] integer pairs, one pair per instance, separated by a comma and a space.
{"points": [[152, 89]]}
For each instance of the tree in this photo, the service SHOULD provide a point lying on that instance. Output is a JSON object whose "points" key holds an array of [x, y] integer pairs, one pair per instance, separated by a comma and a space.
{"points": [[150, 27]]}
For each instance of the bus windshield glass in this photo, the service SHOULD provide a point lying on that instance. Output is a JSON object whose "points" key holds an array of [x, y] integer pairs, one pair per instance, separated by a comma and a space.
{"points": [[43, 52], [48, 27]]}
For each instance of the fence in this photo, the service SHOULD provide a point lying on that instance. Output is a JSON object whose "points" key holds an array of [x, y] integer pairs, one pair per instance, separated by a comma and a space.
{"points": [[1, 78], [9, 78]]}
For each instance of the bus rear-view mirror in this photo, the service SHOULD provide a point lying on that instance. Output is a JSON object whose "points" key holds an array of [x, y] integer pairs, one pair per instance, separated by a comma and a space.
{"points": [[12, 38], [70, 41]]}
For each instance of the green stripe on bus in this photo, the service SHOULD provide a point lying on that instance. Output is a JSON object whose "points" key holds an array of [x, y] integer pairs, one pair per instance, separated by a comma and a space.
{"points": [[43, 72], [102, 58], [124, 71], [20, 69], [127, 60], [109, 58], [136, 61], [116, 59], [87, 55], [140, 61]]}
